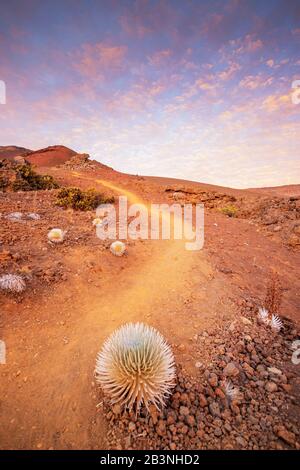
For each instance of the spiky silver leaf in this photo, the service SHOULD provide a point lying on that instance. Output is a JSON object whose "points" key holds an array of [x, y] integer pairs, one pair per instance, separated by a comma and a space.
{"points": [[33, 216], [263, 315], [231, 392], [136, 366], [276, 323], [12, 282]]}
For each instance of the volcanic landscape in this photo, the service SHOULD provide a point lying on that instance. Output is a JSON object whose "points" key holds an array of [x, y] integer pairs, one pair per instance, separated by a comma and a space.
{"points": [[205, 303]]}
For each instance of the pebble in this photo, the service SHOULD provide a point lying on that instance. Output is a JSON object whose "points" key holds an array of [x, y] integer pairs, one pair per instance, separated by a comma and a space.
{"points": [[271, 387], [214, 409], [231, 370], [202, 400], [213, 380], [131, 427], [286, 436], [198, 415], [218, 432], [274, 370], [184, 411]]}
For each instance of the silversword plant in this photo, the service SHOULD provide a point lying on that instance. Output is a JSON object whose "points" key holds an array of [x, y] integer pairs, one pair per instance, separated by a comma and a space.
{"points": [[56, 235], [14, 216], [118, 248], [12, 283], [136, 367]]}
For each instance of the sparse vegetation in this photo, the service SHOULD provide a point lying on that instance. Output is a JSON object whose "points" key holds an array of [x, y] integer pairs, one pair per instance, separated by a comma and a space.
{"points": [[118, 248], [230, 210], [78, 199], [28, 180], [4, 182], [136, 366], [56, 235], [12, 282]]}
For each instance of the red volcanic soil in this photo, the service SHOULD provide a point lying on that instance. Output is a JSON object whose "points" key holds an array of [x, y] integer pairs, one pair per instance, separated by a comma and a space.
{"points": [[286, 190], [11, 151], [50, 156], [205, 303]]}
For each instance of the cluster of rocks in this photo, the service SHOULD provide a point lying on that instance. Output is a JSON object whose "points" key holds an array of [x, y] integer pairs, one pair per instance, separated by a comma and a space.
{"points": [[79, 161], [244, 396], [278, 215], [211, 199]]}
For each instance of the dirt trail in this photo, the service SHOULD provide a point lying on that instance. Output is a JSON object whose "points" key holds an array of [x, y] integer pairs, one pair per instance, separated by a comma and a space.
{"points": [[54, 403]]}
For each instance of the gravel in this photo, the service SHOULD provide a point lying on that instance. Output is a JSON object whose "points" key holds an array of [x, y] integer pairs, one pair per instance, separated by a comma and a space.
{"points": [[201, 414]]}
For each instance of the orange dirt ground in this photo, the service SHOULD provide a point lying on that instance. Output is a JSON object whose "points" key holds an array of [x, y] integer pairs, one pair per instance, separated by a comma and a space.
{"points": [[48, 396]]}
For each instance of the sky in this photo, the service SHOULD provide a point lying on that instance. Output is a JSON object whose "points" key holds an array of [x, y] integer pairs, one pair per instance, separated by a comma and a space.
{"points": [[192, 89]]}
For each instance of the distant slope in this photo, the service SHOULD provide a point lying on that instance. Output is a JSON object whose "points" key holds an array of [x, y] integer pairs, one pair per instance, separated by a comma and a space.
{"points": [[59, 154], [50, 156], [179, 184], [288, 190], [11, 151]]}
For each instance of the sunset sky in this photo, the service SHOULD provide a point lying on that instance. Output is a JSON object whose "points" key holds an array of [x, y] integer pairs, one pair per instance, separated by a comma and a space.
{"points": [[198, 90]]}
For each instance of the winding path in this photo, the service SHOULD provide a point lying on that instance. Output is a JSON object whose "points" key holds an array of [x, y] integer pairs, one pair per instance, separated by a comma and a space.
{"points": [[56, 406]]}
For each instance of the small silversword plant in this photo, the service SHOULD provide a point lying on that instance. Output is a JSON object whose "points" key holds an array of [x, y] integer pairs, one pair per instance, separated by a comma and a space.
{"points": [[136, 367], [12, 283]]}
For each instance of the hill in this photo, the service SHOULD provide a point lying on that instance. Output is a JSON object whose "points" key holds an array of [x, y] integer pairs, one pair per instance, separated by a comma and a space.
{"points": [[50, 156], [11, 151], [205, 303], [288, 190]]}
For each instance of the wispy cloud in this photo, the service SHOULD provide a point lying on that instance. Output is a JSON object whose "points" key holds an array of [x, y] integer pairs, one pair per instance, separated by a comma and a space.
{"points": [[197, 90]]}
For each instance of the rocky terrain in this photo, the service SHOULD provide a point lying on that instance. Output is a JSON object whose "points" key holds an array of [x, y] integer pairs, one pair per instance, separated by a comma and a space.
{"points": [[279, 216], [245, 395], [205, 304], [11, 151]]}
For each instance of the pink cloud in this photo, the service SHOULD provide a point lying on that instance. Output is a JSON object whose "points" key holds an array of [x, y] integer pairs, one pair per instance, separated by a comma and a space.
{"points": [[159, 57], [251, 82], [205, 85], [275, 103], [98, 59], [229, 72], [245, 45], [139, 97]]}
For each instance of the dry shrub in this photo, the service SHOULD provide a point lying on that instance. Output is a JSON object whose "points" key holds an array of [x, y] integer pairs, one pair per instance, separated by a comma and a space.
{"points": [[274, 294], [78, 199], [28, 180], [229, 210]]}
